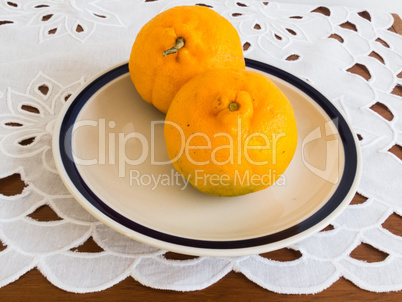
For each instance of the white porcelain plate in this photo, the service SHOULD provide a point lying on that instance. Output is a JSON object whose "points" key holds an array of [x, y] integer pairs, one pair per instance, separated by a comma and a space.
{"points": [[110, 151]]}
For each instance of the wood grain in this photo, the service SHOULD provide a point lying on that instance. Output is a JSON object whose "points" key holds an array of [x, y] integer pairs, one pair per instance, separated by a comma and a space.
{"points": [[33, 286], [233, 287]]}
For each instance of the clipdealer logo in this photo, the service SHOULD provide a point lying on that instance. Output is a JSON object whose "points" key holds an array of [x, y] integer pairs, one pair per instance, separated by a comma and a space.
{"points": [[112, 147]]}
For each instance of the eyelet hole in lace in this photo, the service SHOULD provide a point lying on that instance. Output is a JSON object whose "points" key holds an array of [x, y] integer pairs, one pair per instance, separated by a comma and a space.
{"points": [[44, 213], [12, 185], [89, 246], [241, 4], [13, 124], [293, 57], [382, 42], [41, 6], [365, 15], [100, 16], [67, 96], [396, 27], [47, 17], [296, 17], [44, 89], [52, 31], [79, 29], [322, 10], [283, 255], [27, 141], [177, 256], [393, 224], [396, 150], [257, 26], [348, 25], [3, 246], [329, 227], [375, 55], [4, 22], [358, 199], [236, 14], [30, 109], [382, 110], [12, 4], [246, 46], [336, 37], [367, 253], [291, 31], [360, 70], [397, 90], [203, 4], [278, 37], [359, 137]]}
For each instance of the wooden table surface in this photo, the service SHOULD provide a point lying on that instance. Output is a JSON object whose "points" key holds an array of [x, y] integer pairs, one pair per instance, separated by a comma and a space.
{"points": [[33, 286]]}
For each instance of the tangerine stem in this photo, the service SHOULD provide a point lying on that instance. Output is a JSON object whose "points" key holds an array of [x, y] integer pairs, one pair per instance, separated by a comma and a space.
{"points": [[233, 106], [179, 44]]}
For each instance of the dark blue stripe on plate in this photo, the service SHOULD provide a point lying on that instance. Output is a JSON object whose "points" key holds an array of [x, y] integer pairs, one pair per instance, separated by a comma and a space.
{"points": [[342, 190]]}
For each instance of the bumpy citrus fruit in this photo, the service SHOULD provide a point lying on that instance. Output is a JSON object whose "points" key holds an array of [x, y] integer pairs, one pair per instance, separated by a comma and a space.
{"points": [[230, 132], [178, 44]]}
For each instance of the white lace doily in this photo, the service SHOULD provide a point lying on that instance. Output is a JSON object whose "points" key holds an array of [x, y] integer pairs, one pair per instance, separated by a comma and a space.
{"points": [[48, 48]]}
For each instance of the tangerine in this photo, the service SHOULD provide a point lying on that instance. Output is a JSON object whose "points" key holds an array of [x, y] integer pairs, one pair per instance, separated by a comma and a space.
{"points": [[230, 132], [178, 44]]}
